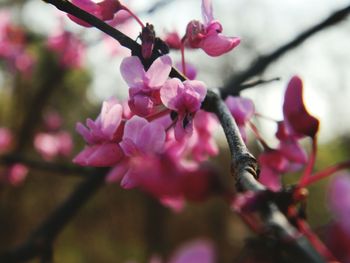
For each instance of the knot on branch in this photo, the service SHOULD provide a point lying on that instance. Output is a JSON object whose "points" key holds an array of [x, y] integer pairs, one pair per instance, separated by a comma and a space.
{"points": [[243, 166]]}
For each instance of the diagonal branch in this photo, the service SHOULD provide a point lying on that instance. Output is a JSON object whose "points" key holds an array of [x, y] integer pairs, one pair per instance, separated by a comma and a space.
{"points": [[233, 85]]}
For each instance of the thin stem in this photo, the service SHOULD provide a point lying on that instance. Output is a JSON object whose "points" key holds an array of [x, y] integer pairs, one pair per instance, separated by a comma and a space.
{"points": [[325, 173], [134, 16], [311, 163], [183, 62]]}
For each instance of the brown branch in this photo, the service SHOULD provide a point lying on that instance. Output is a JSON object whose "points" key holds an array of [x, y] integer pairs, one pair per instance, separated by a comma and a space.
{"points": [[233, 85], [245, 169]]}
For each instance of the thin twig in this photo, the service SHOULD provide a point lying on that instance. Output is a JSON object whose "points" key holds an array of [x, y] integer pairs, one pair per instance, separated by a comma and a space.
{"points": [[233, 85], [57, 168]]}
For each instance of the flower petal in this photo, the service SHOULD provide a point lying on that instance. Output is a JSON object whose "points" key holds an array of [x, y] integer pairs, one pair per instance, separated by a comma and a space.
{"points": [[207, 11], [111, 117], [159, 71], [132, 71], [218, 44], [294, 111]]}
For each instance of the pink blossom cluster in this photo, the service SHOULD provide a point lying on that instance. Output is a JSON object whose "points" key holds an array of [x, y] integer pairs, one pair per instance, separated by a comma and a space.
{"points": [[53, 141], [13, 45], [162, 126], [70, 50]]}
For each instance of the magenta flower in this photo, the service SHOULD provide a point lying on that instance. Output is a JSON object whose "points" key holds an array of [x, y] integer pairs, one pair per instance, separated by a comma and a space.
{"points": [[102, 136], [50, 145], [69, 49], [142, 143], [5, 139], [185, 98], [339, 200], [242, 110], [202, 143], [198, 251], [13, 45], [208, 36], [297, 119], [104, 10], [144, 86]]}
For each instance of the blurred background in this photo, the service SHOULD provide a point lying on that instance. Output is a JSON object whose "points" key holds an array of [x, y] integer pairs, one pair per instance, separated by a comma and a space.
{"points": [[42, 96]]}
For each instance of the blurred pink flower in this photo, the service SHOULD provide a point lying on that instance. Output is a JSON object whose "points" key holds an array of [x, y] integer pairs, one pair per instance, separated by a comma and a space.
{"points": [[70, 50], [242, 110], [208, 36], [185, 98], [51, 145], [339, 199], [144, 86], [102, 136], [13, 45], [5, 139], [198, 251]]}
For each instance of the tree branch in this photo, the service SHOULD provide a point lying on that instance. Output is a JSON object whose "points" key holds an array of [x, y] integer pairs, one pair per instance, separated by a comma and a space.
{"points": [[233, 85], [245, 169]]}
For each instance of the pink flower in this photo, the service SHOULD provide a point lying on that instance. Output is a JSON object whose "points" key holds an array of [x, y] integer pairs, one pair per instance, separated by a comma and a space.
{"points": [[242, 110], [191, 71], [185, 98], [299, 122], [173, 40], [199, 251], [5, 139], [50, 145], [14, 174], [70, 50], [339, 200], [104, 10], [208, 36], [203, 143], [144, 86], [13, 45], [272, 165], [141, 141], [102, 136]]}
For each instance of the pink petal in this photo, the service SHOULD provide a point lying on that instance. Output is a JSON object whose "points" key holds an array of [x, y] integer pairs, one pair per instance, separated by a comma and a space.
{"points": [[132, 71], [100, 155], [294, 110], [293, 151], [169, 92], [88, 6], [151, 138], [176, 203], [200, 89], [117, 173], [199, 251], [339, 199], [207, 11], [110, 118], [17, 173], [133, 127], [129, 180], [270, 178], [108, 8], [216, 45], [159, 71], [242, 109]]}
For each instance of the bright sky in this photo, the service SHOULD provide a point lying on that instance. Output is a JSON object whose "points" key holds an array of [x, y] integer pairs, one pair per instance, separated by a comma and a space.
{"points": [[323, 61]]}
